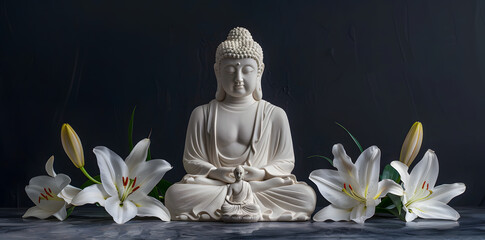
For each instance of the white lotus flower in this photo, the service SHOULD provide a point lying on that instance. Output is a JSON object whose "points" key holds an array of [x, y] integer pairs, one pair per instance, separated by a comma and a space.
{"points": [[421, 198], [354, 189], [125, 184], [43, 191], [69, 192]]}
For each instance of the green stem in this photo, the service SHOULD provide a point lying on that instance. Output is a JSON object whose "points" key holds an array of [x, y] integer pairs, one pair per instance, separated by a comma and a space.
{"points": [[89, 176]]}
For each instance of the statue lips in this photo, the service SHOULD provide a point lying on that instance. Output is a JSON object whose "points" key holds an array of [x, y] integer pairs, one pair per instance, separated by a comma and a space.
{"points": [[239, 85]]}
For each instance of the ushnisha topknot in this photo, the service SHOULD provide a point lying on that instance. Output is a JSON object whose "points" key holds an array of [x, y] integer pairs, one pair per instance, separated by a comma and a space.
{"points": [[240, 44]]}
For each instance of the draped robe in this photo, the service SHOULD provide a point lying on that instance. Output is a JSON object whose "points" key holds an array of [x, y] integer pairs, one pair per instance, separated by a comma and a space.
{"points": [[240, 203], [197, 197]]}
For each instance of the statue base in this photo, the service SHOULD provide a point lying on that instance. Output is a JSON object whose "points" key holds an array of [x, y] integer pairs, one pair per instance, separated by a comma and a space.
{"points": [[235, 218]]}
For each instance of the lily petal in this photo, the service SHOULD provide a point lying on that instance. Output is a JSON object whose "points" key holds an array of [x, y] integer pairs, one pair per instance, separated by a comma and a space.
{"points": [[138, 154], [149, 174], [402, 169], [368, 165], [61, 181], [92, 194], [434, 210], [61, 214], [330, 183], [410, 216], [345, 167], [68, 193], [444, 193], [362, 212], [49, 167], [151, 207], [51, 206], [37, 212], [388, 186], [121, 213], [111, 168], [37, 185], [332, 213], [426, 170]]}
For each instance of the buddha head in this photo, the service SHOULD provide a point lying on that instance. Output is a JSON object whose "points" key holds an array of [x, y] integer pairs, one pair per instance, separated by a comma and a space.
{"points": [[239, 66], [239, 173]]}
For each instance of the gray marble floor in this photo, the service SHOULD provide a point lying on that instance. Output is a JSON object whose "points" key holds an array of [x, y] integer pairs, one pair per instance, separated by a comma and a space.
{"points": [[94, 223]]}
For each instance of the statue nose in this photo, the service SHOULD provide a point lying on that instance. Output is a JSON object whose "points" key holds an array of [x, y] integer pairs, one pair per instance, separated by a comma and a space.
{"points": [[239, 78]]}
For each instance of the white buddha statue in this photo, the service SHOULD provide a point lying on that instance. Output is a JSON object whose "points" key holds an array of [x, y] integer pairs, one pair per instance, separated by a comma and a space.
{"points": [[239, 128], [239, 205]]}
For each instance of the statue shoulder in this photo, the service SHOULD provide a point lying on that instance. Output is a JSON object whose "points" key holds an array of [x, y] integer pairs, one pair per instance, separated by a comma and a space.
{"points": [[276, 114], [198, 112], [203, 114]]}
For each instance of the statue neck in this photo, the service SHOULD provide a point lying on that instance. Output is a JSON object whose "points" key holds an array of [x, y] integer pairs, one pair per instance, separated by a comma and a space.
{"points": [[239, 101]]}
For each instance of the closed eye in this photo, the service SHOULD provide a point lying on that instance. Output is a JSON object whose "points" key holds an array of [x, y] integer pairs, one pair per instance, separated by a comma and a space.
{"points": [[247, 69], [230, 69]]}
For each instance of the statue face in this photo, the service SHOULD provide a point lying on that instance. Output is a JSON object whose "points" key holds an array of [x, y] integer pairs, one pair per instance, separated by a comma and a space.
{"points": [[238, 174], [238, 77]]}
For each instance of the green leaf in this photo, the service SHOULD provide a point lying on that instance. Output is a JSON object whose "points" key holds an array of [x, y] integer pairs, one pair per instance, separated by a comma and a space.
{"points": [[396, 200], [385, 202], [89, 182], [130, 129], [326, 158], [353, 138], [393, 211], [162, 186], [149, 154], [160, 189], [69, 211], [390, 173], [391, 204], [154, 193]]}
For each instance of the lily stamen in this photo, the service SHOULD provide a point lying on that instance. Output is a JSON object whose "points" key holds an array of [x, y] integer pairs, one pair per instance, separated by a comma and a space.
{"points": [[128, 187], [45, 190], [48, 196], [134, 181], [125, 181], [420, 194], [353, 194], [44, 196]]}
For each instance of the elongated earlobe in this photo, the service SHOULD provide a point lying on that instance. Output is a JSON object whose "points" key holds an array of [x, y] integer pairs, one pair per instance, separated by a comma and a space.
{"points": [[258, 92], [220, 93]]}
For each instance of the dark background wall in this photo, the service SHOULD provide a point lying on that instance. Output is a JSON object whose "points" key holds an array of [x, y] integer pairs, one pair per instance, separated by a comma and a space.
{"points": [[374, 66]]}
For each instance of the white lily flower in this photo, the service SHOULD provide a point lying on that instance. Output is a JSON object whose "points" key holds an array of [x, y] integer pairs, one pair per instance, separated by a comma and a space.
{"points": [[67, 193], [125, 184], [43, 191], [72, 145], [354, 189], [412, 144], [421, 198]]}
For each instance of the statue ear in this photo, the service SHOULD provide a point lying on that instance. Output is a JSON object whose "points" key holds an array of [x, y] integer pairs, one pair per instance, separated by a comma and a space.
{"points": [[220, 94], [216, 70], [258, 92]]}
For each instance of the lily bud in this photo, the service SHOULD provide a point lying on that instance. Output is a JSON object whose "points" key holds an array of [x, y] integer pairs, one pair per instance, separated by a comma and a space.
{"points": [[72, 145], [412, 144]]}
